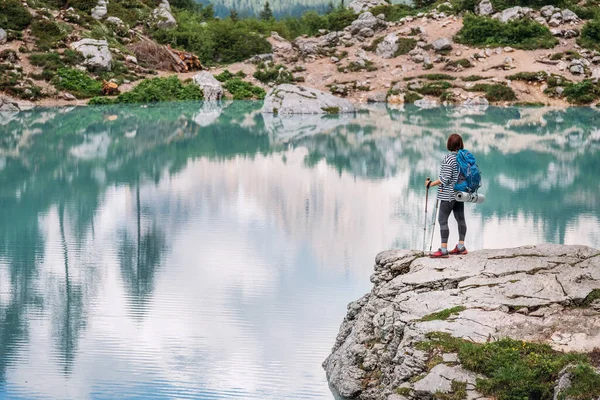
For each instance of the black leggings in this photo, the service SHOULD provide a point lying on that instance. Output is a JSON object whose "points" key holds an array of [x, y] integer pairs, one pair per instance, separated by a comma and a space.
{"points": [[446, 207]]}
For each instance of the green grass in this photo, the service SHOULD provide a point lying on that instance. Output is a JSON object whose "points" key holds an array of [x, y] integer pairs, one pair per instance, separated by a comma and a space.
{"points": [[458, 391], [593, 296], [586, 383], [411, 97], [473, 78], [49, 34], [373, 46], [521, 34], [331, 110], [463, 62], [515, 369], [13, 15], [495, 92], [77, 82], [277, 74], [403, 391], [434, 88], [584, 92], [227, 75], [444, 314], [242, 90], [405, 45], [356, 67], [567, 55], [540, 76], [590, 35], [437, 77]]}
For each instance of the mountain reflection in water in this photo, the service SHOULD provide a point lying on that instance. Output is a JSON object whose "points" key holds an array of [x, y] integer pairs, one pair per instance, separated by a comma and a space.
{"points": [[207, 251]]}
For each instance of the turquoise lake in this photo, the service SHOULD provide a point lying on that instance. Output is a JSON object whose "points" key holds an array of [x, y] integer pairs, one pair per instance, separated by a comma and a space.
{"points": [[207, 251]]}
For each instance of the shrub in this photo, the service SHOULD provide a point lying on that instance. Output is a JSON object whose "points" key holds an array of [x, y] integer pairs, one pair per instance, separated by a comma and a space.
{"points": [[393, 12], [581, 92], [53, 61], [405, 45], [472, 78], [437, 77], [540, 76], [13, 15], [568, 55], [77, 82], [590, 35], [242, 90], [434, 88], [411, 97], [495, 92], [373, 46], [274, 73], [161, 89], [522, 34], [83, 5], [462, 62], [227, 75], [49, 33]]}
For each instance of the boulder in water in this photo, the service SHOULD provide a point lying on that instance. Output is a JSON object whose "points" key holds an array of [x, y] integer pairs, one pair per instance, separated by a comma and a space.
{"points": [[212, 88], [291, 99]]}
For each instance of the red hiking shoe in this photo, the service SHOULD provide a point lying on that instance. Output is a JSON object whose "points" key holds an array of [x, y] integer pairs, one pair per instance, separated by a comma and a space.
{"points": [[458, 251], [439, 254]]}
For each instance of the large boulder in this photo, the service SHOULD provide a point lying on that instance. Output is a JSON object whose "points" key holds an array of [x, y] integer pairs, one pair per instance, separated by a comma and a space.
{"points": [[388, 46], [569, 16], [359, 6], [484, 8], [537, 294], [3, 36], [96, 53], [100, 10], [162, 17], [513, 13], [281, 47], [442, 44], [212, 88], [366, 20], [289, 99], [315, 46]]}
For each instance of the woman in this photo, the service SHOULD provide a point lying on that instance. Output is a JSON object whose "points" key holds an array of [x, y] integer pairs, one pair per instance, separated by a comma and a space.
{"points": [[447, 179]]}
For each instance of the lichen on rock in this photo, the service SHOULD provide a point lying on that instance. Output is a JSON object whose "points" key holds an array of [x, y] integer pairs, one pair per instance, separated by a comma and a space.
{"points": [[531, 294]]}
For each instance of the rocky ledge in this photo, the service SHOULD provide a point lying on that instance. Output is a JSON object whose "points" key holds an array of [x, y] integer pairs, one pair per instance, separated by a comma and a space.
{"points": [[441, 328]]}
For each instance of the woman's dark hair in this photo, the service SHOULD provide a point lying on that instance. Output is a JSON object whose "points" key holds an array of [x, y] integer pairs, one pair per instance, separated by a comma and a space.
{"points": [[454, 142]]}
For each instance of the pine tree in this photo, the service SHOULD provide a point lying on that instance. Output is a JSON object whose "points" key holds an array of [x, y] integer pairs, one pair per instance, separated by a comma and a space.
{"points": [[233, 15], [330, 8], [266, 14]]}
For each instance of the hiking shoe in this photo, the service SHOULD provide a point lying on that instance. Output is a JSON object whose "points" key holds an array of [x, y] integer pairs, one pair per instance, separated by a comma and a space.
{"points": [[458, 251], [439, 254]]}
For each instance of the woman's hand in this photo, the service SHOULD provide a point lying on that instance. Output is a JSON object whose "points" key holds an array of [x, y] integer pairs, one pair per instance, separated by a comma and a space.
{"points": [[429, 183]]}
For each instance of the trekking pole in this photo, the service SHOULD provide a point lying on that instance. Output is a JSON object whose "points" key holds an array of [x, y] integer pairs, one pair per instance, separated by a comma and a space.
{"points": [[425, 222], [433, 229]]}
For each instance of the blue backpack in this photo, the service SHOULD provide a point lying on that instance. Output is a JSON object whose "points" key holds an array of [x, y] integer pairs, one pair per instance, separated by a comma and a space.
{"points": [[469, 178]]}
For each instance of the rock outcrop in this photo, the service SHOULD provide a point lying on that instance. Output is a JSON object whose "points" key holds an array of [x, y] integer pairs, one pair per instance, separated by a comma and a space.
{"points": [[162, 17], [211, 88], [513, 13], [484, 8], [96, 53], [3, 36], [100, 10], [388, 46], [544, 294], [290, 99]]}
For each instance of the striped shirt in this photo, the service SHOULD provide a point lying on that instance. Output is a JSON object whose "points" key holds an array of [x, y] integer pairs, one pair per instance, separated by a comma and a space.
{"points": [[448, 177]]}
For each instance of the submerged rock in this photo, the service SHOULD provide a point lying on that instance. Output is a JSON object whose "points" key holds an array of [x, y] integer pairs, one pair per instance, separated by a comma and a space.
{"points": [[96, 53], [528, 293], [291, 99]]}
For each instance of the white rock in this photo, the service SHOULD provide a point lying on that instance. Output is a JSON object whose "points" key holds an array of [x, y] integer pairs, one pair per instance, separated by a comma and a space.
{"points": [[508, 49], [291, 99], [3, 36], [100, 10], [554, 22], [442, 44], [163, 19], [360, 6], [513, 13], [211, 88], [96, 53], [131, 59], [484, 8], [569, 16], [388, 47]]}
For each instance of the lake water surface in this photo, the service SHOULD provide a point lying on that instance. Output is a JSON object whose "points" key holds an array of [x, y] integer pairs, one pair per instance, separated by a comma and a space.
{"points": [[202, 251]]}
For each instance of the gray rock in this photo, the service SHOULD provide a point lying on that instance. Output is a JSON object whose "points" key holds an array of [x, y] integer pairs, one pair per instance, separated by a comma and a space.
{"points": [[291, 99], [554, 22], [8, 105], [477, 101], [366, 32], [570, 33], [418, 58], [119, 27], [547, 11], [131, 59], [569, 16], [162, 17], [377, 97], [68, 96], [513, 13], [381, 329], [315, 46], [559, 90], [442, 44], [556, 32], [388, 47], [360, 6], [365, 20], [100, 10], [96, 53], [596, 59], [540, 20], [484, 8], [261, 58], [3, 36], [212, 88]]}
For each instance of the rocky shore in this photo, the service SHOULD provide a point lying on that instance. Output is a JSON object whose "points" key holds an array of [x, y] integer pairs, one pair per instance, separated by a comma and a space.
{"points": [[422, 58], [442, 328]]}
